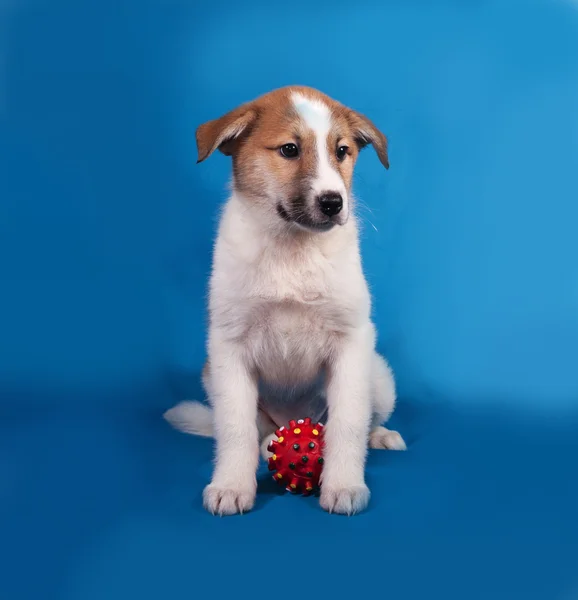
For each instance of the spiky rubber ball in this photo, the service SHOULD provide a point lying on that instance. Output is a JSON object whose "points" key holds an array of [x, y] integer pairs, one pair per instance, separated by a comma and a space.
{"points": [[297, 456]]}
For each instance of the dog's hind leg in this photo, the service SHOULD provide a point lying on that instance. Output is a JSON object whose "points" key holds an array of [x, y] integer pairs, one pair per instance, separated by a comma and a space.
{"points": [[383, 392]]}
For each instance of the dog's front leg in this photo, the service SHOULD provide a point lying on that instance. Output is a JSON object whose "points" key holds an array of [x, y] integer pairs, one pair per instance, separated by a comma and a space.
{"points": [[343, 488], [234, 399]]}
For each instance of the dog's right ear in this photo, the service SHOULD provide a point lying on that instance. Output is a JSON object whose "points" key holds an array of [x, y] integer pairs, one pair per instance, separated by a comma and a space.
{"points": [[222, 133]]}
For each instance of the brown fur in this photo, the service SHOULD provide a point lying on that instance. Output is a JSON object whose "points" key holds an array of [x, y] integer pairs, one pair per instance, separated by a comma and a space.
{"points": [[253, 133]]}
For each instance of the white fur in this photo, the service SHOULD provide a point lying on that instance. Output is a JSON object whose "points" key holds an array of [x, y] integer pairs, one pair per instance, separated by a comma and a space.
{"points": [[290, 336], [191, 417], [285, 306], [382, 438], [317, 117]]}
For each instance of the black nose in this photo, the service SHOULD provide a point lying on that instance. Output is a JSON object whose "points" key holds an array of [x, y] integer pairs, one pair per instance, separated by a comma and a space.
{"points": [[330, 203]]}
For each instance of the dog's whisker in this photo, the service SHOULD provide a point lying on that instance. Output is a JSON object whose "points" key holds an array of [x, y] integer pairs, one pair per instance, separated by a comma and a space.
{"points": [[365, 219]]}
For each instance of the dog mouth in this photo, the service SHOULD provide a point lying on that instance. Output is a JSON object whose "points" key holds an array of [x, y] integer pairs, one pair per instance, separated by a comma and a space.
{"points": [[304, 221]]}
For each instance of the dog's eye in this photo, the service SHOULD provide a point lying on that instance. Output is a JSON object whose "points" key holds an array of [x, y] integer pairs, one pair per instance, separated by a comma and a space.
{"points": [[289, 151], [341, 152]]}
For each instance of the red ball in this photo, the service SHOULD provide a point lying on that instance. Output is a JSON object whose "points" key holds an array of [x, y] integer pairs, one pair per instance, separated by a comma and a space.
{"points": [[298, 456]]}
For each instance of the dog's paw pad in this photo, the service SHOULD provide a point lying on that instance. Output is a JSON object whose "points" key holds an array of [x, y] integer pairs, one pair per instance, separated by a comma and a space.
{"points": [[385, 439], [345, 500], [224, 501]]}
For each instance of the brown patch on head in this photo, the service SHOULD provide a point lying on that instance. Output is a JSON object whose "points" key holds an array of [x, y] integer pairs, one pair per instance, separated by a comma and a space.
{"points": [[352, 132], [259, 167], [256, 133]]}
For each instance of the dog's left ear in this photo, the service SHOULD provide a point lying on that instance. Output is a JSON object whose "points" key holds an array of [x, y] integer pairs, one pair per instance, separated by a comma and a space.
{"points": [[365, 133], [223, 132]]}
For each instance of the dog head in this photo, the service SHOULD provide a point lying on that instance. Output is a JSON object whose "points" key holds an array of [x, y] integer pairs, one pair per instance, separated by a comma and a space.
{"points": [[294, 150]]}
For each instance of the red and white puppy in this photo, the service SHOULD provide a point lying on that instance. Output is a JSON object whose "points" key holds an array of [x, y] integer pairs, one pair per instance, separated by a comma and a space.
{"points": [[290, 333]]}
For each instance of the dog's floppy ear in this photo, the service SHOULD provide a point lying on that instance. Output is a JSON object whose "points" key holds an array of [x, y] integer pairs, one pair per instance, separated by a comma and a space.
{"points": [[221, 133], [365, 133]]}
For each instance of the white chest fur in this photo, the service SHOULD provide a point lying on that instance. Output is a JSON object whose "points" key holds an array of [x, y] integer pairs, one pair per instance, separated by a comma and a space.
{"points": [[286, 298]]}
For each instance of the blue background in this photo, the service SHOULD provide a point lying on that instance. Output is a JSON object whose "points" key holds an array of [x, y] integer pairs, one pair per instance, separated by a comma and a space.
{"points": [[470, 247]]}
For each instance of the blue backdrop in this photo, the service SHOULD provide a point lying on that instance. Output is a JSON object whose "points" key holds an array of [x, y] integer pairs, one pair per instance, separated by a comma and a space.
{"points": [[470, 246]]}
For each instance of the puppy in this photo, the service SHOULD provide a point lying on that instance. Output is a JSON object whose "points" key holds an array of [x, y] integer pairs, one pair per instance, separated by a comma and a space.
{"points": [[290, 333]]}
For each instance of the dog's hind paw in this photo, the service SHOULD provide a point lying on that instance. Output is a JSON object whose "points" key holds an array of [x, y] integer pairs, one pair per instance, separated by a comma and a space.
{"points": [[386, 439]]}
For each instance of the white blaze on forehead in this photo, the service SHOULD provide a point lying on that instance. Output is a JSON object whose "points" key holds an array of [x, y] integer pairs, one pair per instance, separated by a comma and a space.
{"points": [[317, 116]]}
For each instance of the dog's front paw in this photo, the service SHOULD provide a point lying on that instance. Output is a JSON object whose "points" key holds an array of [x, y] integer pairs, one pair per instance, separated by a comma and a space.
{"points": [[344, 500], [224, 501]]}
